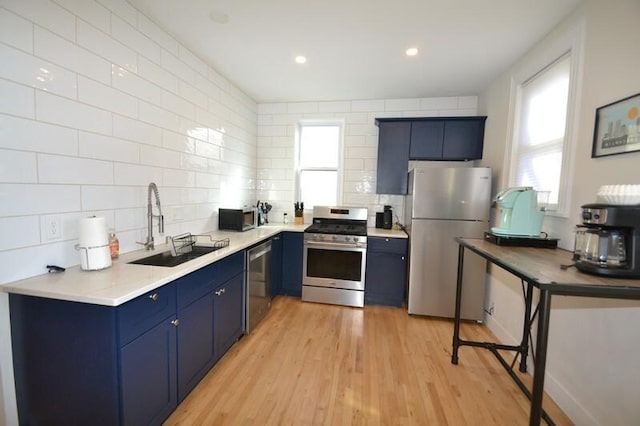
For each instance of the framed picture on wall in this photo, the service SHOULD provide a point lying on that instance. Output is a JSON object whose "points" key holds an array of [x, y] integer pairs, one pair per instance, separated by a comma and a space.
{"points": [[617, 129]]}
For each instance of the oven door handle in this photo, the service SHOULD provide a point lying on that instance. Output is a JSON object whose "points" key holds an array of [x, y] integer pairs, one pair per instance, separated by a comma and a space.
{"points": [[313, 244]]}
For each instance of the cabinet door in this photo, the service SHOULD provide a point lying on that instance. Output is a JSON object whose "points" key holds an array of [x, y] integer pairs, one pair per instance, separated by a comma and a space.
{"points": [[386, 271], [195, 343], [292, 252], [148, 376], [227, 315], [426, 140], [393, 156], [276, 265], [463, 139]]}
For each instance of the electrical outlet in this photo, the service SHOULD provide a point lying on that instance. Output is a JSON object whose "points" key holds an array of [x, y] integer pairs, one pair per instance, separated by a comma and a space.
{"points": [[53, 228]]}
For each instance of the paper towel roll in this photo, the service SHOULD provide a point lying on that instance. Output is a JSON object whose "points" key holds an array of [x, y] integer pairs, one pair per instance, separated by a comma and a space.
{"points": [[93, 243], [93, 232]]}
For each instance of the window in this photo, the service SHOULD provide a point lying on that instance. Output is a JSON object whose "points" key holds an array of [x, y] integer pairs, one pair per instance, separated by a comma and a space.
{"points": [[319, 159], [541, 153]]}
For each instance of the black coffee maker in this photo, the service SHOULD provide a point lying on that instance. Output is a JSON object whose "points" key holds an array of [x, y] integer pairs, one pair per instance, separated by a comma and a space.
{"points": [[608, 241]]}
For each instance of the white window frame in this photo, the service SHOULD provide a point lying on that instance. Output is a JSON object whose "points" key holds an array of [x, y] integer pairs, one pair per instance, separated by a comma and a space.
{"points": [[570, 42], [339, 169]]}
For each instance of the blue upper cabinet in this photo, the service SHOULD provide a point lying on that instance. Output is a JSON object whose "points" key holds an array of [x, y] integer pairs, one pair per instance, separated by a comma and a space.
{"points": [[431, 139]]}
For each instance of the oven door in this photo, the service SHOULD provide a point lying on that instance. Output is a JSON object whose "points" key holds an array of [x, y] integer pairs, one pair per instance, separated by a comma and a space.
{"points": [[334, 265]]}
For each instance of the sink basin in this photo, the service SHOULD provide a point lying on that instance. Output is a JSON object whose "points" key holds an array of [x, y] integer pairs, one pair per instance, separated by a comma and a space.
{"points": [[165, 258]]}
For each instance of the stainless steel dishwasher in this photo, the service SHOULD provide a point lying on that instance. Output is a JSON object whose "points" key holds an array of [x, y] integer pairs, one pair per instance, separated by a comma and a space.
{"points": [[258, 285]]}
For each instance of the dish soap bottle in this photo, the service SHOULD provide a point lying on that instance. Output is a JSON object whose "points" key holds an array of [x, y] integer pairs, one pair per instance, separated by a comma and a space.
{"points": [[114, 244], [285, 219]]}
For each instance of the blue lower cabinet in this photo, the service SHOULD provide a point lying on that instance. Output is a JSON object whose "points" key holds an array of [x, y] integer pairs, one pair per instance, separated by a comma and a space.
{"points": [[85, 364], [227, 315], [148, 376], [276, 265], [386, 271], [195, 343], [292, 252]]}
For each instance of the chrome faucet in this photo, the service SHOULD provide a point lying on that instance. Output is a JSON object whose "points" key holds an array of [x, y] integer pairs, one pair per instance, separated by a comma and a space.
{"points": [[149, 243]]}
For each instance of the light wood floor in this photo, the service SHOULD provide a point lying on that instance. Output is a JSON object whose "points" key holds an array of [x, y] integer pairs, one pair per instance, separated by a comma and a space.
{"points": [[329, 365]]}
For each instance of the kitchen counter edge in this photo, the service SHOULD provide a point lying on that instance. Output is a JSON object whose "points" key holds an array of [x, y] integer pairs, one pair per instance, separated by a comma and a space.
{"points": [[123, 282]]}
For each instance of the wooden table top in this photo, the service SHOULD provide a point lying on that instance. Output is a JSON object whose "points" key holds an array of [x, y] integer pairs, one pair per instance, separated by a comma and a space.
{"points": [[541, 266]]}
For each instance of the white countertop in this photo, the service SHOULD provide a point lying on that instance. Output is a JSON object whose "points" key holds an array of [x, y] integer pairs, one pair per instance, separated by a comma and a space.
{"points": [[123, 281]]}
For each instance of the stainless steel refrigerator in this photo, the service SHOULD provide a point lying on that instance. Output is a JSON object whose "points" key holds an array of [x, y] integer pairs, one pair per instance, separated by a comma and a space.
{"points": [[444, 203]]}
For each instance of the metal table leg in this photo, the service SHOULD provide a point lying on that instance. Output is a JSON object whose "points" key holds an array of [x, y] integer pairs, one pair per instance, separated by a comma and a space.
{"points": [[526, 328], [456, 322], [544, 313]]}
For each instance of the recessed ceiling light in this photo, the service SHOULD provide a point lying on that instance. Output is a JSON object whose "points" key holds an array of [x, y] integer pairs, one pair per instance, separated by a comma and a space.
{"points": [[300, 59], [412, 51]]}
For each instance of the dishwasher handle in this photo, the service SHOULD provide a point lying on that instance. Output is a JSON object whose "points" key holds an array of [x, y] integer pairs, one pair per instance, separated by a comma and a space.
{"points": [[259, 251]]}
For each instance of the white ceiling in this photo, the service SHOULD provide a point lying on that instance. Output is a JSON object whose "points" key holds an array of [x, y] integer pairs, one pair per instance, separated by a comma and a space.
{"points": [[355, 48]]}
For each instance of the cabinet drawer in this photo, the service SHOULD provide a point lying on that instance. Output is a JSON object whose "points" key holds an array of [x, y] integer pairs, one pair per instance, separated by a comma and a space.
{"points": [[142, 313], [230, 267], [387, 245], [198, 283]]}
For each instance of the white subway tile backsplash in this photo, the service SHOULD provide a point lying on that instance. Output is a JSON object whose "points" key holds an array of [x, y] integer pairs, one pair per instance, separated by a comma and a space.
{"points": [[159, 157], [126, 33], [402, 105], [302, 107], [157, 116], [334, 107], [173, 64], [35, 72], [113, 102], [178, 142], [102, 147], [69, 55], [127, 219], [126, 128], [121, 9], [367, 106], [102, 197], [46, 14], [192, 60], [65, 112], [439, 103], [156, 74], [73, 170], [130, 83], [99, 95], [467, 102], [92, 12], [157, 34], [16, 31], [18, 167], [180, 178], [102, 44], [130, 174], [206, 149], [30, 199], [28, 135], [178, 105], [18, 232], [16, 99], [193, 95]]}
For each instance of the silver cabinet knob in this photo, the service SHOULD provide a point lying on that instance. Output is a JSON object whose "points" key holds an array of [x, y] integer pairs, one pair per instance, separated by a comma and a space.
{"points": [[175, 322], [154, 296]]}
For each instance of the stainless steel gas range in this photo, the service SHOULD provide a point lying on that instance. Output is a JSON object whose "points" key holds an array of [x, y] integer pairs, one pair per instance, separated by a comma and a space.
{"points": [[335, 253]]}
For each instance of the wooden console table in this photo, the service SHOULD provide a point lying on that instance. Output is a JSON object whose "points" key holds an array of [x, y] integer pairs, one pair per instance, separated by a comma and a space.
{"points": [[539, 268]]}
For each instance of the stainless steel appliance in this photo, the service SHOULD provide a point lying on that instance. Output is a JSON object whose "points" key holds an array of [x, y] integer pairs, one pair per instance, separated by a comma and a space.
{"points": [[608, 242], [335, 252], [237, 219], [444, 203], [258, 285]]}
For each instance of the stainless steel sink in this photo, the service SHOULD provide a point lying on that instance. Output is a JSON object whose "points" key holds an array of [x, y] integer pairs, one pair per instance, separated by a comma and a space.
{"points": [[166, 259]]}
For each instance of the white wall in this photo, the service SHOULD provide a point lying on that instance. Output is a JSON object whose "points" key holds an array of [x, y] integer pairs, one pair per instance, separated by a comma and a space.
{"points": [[593, 344], [96, 101], [277, 124]]}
